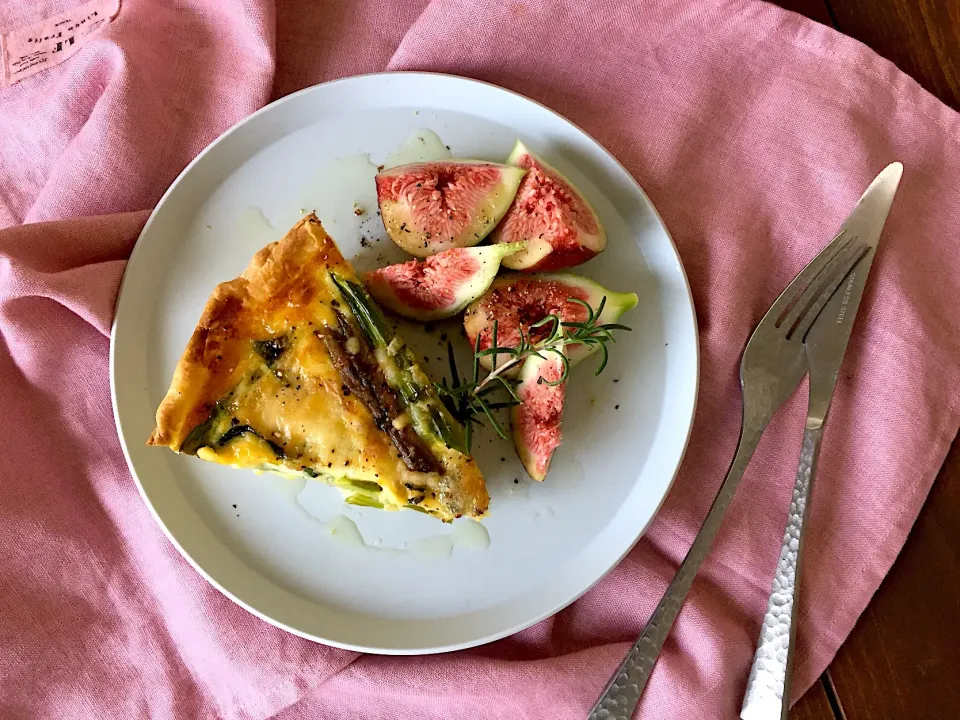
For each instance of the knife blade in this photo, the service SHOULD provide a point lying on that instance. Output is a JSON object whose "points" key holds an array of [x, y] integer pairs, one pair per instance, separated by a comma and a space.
{"points": [[826, 342]]}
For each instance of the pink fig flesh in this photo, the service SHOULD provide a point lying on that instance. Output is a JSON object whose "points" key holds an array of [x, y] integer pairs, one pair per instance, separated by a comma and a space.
{"points": [[557, 222], [440, 286], [536, 420], [430, 207], [518, 301]]}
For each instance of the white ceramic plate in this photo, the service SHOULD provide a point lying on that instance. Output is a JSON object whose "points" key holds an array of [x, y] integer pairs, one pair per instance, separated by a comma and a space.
{"points": [[265, 541]]}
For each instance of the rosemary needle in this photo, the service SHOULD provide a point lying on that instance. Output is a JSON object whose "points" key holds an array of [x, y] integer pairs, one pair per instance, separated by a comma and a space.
{"points": [[469, 400]]}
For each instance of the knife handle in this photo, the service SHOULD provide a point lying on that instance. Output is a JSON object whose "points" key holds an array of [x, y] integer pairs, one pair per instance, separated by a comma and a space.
{"points": [[768, 689], [620, 697]]}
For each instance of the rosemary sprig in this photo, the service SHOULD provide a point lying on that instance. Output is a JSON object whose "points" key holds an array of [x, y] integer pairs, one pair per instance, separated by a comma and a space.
{"points": [[470, 400]]}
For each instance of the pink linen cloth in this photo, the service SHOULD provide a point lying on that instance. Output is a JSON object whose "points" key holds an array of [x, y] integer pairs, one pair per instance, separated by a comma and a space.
{"points": [[752, 129]]}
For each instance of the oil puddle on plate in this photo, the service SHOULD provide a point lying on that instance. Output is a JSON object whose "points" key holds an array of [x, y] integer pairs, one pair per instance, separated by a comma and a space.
{"points": [[343, 189], [423, 146], [253, 228], [344, 197], [325, 506], [345, 194]]}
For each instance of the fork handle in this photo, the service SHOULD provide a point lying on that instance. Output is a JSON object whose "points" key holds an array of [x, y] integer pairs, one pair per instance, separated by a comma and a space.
{"points": [[768, 689], [620, 697]]}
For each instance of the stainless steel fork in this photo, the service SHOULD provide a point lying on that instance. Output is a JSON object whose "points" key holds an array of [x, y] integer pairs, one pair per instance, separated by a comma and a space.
{"points": [[772, 367]]}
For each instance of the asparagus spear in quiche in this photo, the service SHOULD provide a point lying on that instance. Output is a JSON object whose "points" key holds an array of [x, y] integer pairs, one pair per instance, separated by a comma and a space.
{"points": [[292, 369]]}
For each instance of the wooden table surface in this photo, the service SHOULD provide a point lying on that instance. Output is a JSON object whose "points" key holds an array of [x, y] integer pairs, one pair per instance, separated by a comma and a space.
{"points": [[902, 660]]}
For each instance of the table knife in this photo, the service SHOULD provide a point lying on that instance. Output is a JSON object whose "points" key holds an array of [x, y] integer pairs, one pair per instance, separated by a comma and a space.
{"points": [[768, 688]]}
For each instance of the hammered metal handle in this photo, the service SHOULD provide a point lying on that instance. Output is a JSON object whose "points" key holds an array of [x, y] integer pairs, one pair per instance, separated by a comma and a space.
{"points": [[620, 698], [768, 689]]}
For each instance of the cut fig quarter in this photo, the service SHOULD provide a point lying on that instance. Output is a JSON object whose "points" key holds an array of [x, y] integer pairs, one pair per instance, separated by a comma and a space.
{"points": [[440, 286], [518, 301], [560, 226], [430, 207], [535, 422]]}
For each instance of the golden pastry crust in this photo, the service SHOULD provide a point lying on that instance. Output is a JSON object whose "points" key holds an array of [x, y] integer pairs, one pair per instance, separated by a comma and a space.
{"points": [[278, 283], [295, 412]]}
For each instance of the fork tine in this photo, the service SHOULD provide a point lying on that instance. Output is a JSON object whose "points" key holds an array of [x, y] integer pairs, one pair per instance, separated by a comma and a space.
{"points": [[816, 304], [801, 301], [794, 291]]}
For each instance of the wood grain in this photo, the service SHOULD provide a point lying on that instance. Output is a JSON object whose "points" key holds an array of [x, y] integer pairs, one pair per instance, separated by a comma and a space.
{"points": [[922, 37], [813, 9], [814, 705], [903, 658]]}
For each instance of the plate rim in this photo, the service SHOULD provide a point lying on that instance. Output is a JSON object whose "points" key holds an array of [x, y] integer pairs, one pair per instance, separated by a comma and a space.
{"points": [[641, 531]]}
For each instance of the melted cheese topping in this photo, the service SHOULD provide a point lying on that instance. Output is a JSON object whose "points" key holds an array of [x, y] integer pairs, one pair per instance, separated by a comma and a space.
{"points": [[301, 406]]}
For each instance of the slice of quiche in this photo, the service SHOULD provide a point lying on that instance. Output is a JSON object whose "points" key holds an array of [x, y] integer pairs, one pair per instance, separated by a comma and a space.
{"points": [[292, 369]]}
